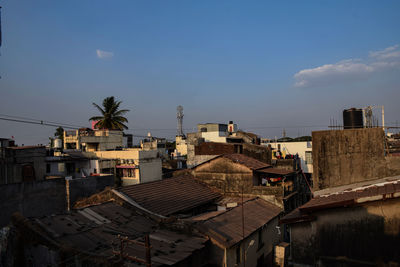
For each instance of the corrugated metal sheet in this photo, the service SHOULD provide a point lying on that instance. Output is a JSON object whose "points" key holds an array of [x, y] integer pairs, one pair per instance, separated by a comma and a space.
{"points": [[226, 228], [78, 231], [351, 196], [171, 195], [347, 197]]}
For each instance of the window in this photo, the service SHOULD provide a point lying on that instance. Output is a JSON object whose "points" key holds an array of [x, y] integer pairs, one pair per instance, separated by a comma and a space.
{"points": [[61, 167], [47, 168], [238, 254], [309, 157]]}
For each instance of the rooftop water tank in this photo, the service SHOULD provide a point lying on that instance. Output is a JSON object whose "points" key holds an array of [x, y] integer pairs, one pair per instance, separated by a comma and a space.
{"points": [[353, 118], [57, 143]]}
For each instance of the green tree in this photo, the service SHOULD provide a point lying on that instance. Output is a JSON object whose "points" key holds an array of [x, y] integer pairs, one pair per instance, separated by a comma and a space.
{"points": [[59, 134], [111, 117]]}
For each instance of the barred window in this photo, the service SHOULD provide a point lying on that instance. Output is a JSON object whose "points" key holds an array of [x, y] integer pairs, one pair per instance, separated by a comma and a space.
{"points": [[308, 157]]}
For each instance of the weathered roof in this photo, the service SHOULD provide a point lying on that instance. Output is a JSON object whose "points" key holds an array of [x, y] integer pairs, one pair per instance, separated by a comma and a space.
{"points": [[249, 162], [226, 228], [362, 194], [170, 196], [384, 189], [94, 230]]}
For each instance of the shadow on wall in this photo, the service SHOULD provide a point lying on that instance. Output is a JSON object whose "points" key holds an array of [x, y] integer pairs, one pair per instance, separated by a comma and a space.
{"points": [[361, 239], [39, 198]]}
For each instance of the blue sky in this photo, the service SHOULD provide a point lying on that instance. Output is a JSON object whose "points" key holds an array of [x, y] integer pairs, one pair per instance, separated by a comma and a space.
{"points": [[266, 65]]}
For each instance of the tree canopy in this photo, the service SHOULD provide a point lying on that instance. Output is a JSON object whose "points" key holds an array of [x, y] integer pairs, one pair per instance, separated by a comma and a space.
{"points": [[111, 117]]}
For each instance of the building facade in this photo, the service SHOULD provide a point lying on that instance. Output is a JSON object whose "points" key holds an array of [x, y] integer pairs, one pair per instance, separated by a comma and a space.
{"points": [[131, 166], [86, 139], [302, 149]]}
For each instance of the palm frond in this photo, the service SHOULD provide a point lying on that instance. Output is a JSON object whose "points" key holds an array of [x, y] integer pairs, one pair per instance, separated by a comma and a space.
{"points": [[121, 112], [99, 108]]}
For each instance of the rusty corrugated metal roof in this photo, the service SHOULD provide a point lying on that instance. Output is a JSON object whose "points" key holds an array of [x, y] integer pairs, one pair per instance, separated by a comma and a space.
{"points": [[226, 228], [170, 196], [95, 230]]}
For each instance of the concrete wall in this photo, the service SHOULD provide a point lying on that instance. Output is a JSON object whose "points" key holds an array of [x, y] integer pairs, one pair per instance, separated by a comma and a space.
{"points": [[225, 175], [150, 170], [40, 198], [13, 160], [85, 187], [219, 137], [348, 156], [369, 233], [261, 153], [32, 198]]}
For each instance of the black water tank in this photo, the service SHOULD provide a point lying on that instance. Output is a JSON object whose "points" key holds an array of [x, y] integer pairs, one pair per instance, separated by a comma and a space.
{"points": [[353, 118]]}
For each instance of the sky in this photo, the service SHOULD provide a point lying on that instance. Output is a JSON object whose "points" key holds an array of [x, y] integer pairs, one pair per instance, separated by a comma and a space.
{"points": [[265, 65]]}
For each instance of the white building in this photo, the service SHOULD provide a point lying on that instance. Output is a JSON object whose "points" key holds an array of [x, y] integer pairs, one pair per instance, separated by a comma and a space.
{"points": [[303, 149]]}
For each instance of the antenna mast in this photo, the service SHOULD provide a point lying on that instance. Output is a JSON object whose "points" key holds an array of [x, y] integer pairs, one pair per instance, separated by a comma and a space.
{"points": [[179, 116]]}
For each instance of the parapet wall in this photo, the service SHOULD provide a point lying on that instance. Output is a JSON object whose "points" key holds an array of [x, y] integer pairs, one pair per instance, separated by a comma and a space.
{"points": [[40, 198], [342, 157]]}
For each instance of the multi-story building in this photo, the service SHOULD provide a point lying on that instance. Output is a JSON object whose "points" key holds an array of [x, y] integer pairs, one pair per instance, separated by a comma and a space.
{"points": [[302, 149], [154, 143], [131, 166], [86, 139], [73, 164]]}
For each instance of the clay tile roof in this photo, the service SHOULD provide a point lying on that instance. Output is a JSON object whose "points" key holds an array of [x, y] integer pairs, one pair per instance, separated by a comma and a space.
{"points": [[249, 162], [226, 228], [170, 196]]}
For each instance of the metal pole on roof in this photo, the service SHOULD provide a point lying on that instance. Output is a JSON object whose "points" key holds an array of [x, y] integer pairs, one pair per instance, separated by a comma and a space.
{"points": [[244, 251], [148, 254]]}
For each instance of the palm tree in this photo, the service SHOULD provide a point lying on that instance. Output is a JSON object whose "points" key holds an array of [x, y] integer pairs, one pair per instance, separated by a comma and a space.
{"points": [[111, 118]]}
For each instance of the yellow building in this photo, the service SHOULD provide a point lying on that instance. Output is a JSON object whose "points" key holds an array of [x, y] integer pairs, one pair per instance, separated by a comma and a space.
{"points": [[181, 145], [132, 165]]}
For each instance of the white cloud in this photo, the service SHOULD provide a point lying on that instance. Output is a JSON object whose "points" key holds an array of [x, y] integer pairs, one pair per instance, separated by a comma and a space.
{"points": [[104, 54], [389, 53], [351, 69]]}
